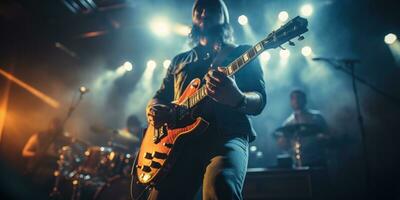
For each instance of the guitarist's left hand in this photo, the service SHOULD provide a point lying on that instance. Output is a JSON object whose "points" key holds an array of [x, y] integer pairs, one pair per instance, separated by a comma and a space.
{"points": [[222, 88]]}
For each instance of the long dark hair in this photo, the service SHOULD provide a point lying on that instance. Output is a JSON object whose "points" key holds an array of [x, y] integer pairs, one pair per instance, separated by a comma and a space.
{"points": [[223, 32]]}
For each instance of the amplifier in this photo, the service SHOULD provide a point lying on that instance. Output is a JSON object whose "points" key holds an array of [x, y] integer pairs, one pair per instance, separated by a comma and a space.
{"points": [[286, 184]]}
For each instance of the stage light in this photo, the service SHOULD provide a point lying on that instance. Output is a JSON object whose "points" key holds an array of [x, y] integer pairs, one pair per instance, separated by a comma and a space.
{"points": [[390, 38], [259, 154], [283, 16], [253, 148], [265, 56], [160, 26], [151, 64], [284, 54], [128, 66], [166, 63], [242, 19], [306, 10], [83, 89], [306, 51]]}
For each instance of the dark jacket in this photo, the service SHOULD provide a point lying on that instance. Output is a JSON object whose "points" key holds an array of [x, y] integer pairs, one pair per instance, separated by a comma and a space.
{"points": [[227, 120]]}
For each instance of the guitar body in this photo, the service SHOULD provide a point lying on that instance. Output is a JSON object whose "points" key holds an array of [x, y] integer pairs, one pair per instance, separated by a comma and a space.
{"points": [[156, 157]]}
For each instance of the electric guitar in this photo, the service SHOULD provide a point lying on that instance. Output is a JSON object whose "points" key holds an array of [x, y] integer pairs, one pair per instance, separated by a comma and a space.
{"points": [[157, 152]]}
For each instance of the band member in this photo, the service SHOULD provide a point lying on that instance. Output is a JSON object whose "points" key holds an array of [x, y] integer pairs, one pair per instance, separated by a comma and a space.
{"points": [[312, 144], [134, 126], [216, 159], [41, 152], [131, 136]]}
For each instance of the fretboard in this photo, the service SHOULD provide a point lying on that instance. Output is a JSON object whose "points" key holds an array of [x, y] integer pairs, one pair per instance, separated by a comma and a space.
{"points": [[231, 69]]}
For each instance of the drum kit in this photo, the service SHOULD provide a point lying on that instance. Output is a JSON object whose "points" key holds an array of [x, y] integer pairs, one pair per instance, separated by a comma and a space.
{"points": [[295, 133], [93, 172]]}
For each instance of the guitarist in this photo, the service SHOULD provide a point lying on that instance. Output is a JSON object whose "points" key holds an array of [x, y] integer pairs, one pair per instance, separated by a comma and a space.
{"points": [[216, 159]]}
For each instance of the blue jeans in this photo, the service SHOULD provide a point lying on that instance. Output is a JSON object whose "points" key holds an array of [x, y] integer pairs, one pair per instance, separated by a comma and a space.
{"points": [[216, 162]]}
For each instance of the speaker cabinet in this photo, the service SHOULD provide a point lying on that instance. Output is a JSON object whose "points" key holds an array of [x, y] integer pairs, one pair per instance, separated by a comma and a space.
{"points": [[286, 184]]}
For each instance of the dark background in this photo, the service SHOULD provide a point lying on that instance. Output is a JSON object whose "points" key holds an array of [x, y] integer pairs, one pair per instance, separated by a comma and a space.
{"points": [[341, 28]]}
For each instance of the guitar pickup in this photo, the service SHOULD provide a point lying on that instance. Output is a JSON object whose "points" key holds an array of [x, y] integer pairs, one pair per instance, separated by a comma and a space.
{"points": [[155, 165], [159, 155]]}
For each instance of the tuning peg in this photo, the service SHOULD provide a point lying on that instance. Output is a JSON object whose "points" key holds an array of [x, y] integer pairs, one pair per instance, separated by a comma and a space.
{"points": [[300, 38], [291, 43]]}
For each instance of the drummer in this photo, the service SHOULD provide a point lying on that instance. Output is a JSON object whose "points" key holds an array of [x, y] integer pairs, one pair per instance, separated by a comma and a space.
{"points": [[41, 153], [313, 153], [131, 136]]}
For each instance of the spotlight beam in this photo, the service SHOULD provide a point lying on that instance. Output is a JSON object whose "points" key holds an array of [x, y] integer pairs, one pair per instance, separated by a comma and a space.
{"points": [[4, 107], [45, 98]]}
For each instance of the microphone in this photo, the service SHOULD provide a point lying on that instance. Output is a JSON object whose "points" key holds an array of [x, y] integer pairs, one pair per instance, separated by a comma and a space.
{"points": [[320, 58], [83, 90]]}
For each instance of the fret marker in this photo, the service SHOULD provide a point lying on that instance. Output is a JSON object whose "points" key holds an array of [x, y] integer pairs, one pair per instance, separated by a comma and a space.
{"points": [[230, 70], [245, 57], [258, 47]]}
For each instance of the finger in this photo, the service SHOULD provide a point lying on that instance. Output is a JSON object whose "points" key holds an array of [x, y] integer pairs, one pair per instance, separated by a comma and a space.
{"points": [[222, 78], [150, 120], [210, 91], [211, 74], [160, 107], [218, 74], [213, 83], [151, 112], [222, 69], [207, 77]]}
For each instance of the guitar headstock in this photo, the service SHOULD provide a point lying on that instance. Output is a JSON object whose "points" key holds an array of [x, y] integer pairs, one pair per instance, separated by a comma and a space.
{"points": [[293, 28]]}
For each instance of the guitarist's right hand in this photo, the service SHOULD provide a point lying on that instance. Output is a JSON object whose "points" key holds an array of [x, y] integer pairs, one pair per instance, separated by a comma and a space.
{"points": [[159, 114]]}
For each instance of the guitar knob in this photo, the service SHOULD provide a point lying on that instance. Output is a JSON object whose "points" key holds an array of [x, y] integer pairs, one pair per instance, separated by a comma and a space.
{"points": [[155, 164], [159, 155], [148, 155]]}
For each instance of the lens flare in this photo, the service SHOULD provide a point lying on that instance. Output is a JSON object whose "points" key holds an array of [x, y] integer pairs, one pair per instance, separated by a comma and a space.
{"points": [[390, 38], [306, 10], [283, 16], [242, 19], [166, 63], [306, 51], [160, 26]]}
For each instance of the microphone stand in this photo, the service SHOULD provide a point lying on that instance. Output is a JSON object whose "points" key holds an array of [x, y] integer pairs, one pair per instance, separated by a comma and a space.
{"points": [[343, 65], [55, 193], [72, 107]]}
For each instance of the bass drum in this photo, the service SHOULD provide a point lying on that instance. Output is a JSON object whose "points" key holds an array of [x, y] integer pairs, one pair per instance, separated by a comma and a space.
{"points": [[117, 188]]}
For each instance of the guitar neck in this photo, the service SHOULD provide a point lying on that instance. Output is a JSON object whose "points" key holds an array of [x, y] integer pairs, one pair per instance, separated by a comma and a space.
{"points": [[231, 69]]}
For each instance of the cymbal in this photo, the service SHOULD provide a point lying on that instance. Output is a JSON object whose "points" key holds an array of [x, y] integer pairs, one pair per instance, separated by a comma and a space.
{"points": [[302, 130], [119, 133], [126, 135], [99, 129]]}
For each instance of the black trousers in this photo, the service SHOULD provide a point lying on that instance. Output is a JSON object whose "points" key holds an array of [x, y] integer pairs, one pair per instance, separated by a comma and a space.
{"points": [[215, 162]]}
